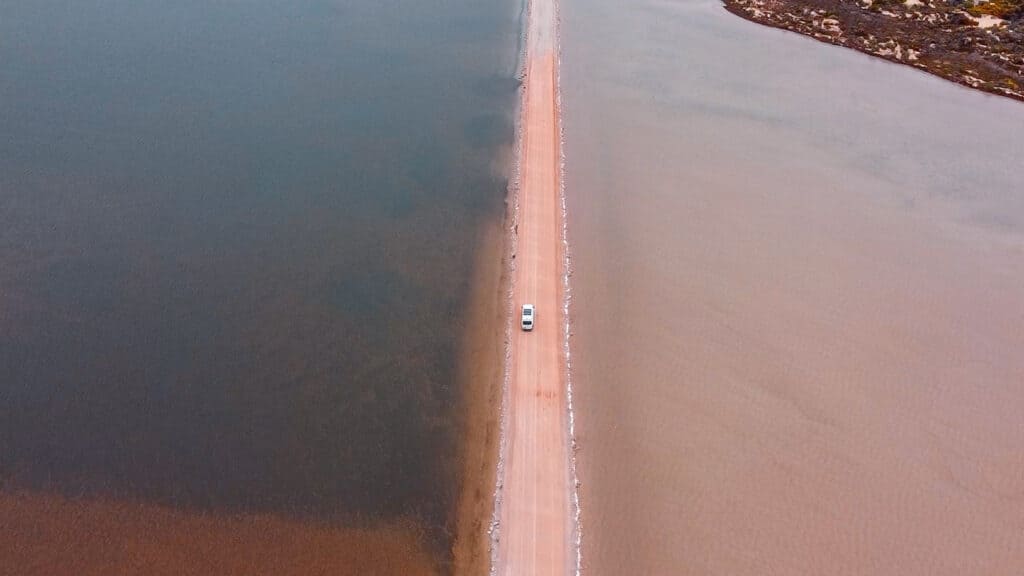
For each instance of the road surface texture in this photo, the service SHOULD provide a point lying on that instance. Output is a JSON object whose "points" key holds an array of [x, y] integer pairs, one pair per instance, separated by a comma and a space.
{"points": [[534, 537]]}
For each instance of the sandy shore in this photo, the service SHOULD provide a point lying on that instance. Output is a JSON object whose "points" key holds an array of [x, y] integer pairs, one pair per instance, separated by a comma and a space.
{"points": [[534, 514]]}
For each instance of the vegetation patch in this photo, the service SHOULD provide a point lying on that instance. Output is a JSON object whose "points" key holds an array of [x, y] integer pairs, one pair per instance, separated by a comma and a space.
{"points": [[979, 44]]}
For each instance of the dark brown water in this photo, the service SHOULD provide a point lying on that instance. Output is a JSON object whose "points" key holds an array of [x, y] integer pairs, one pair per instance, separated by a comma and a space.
{"points": [[236, 240]]}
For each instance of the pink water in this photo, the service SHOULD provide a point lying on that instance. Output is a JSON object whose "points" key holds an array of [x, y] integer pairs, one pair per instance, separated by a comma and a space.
{"points": [[798, 302]]}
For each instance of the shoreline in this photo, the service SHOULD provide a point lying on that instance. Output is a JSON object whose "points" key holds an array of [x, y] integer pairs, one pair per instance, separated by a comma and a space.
{"points": [[483, 367], [485, 350], [934, 37], [565, 258]]}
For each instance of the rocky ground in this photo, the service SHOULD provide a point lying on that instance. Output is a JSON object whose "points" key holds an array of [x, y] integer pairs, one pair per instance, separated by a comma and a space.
{"points": [[980, 45]]}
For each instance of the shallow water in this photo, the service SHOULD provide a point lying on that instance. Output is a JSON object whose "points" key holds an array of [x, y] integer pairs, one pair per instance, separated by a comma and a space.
{"points": [[236, 243], [797, 302]]}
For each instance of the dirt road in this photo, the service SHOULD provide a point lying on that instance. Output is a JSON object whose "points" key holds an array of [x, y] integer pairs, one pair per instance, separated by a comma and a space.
{"points": [[534, 518]]}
